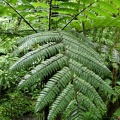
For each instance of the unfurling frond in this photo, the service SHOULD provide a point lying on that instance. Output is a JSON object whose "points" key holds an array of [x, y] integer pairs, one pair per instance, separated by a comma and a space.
{"points": [[73, 71]]}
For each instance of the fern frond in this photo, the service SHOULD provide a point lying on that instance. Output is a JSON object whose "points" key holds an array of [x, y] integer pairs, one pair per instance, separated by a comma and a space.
{"points": [[38, 38], [79, 44], [85, 102], [85, 40], [53, 87], [89, 76], [88, 61], [115, 58], [45, 68], [72, 69], [74, 111], [89, 91], [61, 102], [34, 36], [32, 57]]}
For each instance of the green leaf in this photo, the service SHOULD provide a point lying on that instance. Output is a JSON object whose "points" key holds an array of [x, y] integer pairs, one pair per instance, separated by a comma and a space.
{"points": [[84, 101], [117, 2], [71, 5], [99, 11], [39, 4], [60, 59], [65, 10], [107, 6]]}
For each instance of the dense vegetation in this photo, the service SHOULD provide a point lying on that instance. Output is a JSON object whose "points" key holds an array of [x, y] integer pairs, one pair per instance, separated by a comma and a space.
{"points": [[60, 59]]}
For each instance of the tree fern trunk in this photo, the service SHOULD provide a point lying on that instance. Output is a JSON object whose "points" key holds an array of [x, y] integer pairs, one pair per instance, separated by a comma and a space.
{"points": [[46, 111], [112, 107], [59, 117]]}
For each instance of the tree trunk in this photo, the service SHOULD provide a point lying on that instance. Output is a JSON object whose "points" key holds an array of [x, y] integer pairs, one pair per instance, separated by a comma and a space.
{"points": [[46, 111]]}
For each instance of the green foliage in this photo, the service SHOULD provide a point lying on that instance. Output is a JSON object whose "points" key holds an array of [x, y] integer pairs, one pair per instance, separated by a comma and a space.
{"points": [[62, 60], [102, 13], [116, 114], [61, 101], [108, 46], [100, 22], [50, 91], [14, 105]]}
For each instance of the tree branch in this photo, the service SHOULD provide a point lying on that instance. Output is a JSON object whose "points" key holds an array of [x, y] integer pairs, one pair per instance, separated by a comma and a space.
{"points": [[20, 16], [78, 14]]}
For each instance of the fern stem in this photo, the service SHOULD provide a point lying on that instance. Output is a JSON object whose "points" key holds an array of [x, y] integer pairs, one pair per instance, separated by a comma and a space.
{"points": [[50, 10], [78, 14], [20, 16]]}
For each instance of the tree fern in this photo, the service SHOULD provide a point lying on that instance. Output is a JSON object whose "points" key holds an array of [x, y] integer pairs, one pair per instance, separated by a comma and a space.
{"points": [[74, 71], [85, 59], [115, 56], [68, 39]]}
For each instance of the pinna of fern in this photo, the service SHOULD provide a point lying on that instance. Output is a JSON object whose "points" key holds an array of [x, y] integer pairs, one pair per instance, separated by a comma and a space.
{"points": [[74, 69]]}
